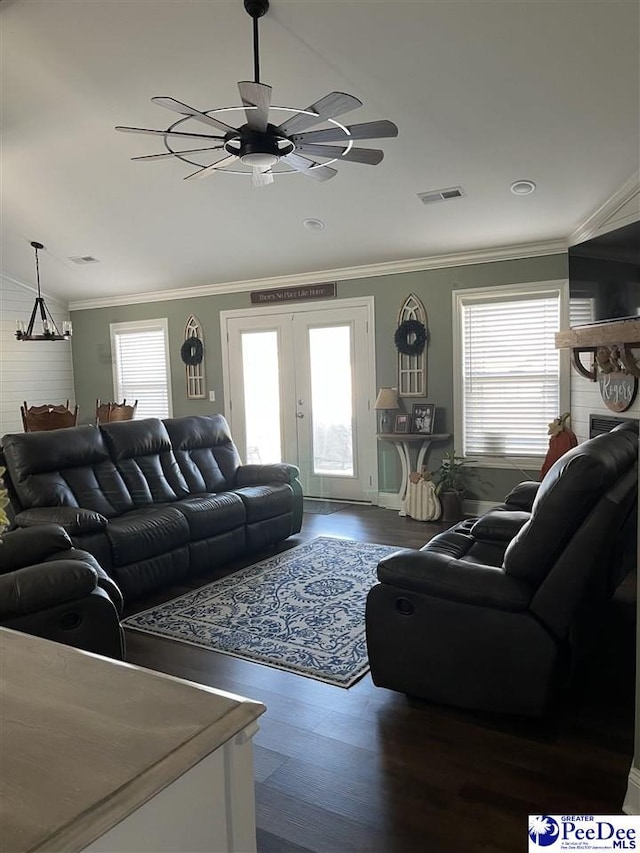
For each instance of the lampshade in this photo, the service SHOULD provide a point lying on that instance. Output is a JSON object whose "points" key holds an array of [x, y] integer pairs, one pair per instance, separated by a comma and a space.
{"points": [[387, 399]]}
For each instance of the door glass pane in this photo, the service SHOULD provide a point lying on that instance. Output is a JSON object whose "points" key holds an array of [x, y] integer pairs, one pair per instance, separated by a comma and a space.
{"points": [[261, 397], [331, 400]]}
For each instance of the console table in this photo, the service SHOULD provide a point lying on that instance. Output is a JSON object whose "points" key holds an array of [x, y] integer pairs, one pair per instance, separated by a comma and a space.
{"points": [[403, 442], [99, 755]]}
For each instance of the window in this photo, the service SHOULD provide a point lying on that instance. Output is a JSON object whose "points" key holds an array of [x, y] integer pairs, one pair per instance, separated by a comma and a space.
{"points": [[141, 366], [508, 371]]}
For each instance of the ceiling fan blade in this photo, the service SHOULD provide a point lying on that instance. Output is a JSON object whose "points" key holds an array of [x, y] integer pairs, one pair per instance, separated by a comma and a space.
{"points": [[186, 110], [210, 170], [262, 177], [301, 164], [368, 130], [177, 153], [332, 105], [371, 156], [259, 96], [175, 133]]}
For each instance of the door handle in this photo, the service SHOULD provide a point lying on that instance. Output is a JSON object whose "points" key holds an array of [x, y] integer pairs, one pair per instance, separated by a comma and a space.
{"points": [[299, 415]]}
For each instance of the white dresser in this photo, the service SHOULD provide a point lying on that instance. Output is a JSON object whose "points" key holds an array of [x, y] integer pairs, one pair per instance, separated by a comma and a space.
{"points": [[105, 756]]}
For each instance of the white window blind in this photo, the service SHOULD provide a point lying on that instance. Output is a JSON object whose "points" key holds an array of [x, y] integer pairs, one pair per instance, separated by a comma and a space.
{"points": [[581, 310], [141, 370], [510, 373]]}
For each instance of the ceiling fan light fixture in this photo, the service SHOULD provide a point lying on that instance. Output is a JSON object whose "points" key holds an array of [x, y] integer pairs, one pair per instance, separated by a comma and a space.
{"points": [[258, 145], [260, 159]]}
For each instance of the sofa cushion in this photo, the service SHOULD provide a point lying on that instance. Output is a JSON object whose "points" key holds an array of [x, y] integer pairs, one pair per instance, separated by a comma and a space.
{"points": [[142, 453], [263, 502], [146, 532], [210, 515], [65, 467], [205, 451]]}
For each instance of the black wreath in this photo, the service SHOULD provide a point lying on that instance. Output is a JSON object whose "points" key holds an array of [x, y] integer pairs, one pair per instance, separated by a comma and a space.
{"points": [[191, 351], [403, 333]]}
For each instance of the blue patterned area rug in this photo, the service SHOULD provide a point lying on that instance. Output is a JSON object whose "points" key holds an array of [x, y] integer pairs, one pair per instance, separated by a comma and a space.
{"points": [[301, 611]]}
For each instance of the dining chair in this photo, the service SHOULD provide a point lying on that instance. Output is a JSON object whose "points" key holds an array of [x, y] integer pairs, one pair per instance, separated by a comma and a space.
{"points": [[48, 416], [109, 412]]}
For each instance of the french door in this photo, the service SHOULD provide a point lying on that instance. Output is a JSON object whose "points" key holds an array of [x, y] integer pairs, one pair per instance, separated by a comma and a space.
{"points": [[298, 388]]}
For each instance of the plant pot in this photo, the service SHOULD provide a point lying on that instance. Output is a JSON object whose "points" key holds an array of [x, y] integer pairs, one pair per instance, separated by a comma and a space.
{"points": [[451, 506]]}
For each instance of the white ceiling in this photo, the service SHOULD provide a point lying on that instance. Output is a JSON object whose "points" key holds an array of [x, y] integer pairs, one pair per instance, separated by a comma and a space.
{"points": [[483, 93]]}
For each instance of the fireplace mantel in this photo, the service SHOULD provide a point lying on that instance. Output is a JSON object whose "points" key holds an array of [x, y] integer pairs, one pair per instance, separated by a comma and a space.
{"points": [[604, 341]]}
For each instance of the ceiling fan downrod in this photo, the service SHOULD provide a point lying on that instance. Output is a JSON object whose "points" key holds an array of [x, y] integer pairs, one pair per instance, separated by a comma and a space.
{"points": [[256, 9]]}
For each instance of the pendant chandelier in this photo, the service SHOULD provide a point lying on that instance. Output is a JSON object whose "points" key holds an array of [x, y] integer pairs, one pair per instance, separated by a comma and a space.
{"points": [[50, 331]]}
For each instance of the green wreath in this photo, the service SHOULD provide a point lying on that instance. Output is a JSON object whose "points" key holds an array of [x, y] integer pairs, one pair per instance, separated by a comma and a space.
{"points": [[191, 351], [404, 331]]}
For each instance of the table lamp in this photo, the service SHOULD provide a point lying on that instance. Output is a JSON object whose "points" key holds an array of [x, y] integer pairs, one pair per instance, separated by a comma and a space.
{"points": [[386, 401]]}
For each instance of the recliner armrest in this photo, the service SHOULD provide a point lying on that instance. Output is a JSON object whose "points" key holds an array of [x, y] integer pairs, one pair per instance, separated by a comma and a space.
{"points": [[24, 547], [260, 475], [74, 519], [44, 585], [442, 576], [522, 496], [500, 525]]}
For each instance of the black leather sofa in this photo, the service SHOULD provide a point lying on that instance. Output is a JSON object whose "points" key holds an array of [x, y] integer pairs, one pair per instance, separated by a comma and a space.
{"points": [[153, 501], [51, 589], [492, 614]]}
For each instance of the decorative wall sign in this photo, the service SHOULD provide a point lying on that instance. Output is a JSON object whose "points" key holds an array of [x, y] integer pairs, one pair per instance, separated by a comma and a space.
{"points": [[411, 339], [618, 390], [192, 354], [303, 293]]}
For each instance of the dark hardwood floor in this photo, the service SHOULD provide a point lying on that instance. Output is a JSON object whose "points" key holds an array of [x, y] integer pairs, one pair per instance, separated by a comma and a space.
{"points": [[366, 769]]}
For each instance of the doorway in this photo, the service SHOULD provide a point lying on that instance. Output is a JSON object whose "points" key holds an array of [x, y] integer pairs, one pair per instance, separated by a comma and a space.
{"points": [[298, 387]]}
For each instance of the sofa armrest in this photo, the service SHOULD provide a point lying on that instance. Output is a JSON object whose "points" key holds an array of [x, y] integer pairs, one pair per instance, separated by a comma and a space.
{"points": [[104, 581], [522, 496], [442, 576], [260, 475], [27, 546], [499, 526], [74, 519], [43, 585]]}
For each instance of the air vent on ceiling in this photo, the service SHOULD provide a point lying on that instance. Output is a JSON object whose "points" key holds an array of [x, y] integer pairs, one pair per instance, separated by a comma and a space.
{"points": [[441, 195], [84, 259]]}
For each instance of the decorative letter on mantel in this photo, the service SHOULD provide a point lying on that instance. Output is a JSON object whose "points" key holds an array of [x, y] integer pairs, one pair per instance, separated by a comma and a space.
{"points": [[411, 340], [613, 365]]}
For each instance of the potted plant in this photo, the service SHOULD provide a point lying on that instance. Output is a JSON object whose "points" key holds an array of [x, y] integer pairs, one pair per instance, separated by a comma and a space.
{"points": [[450, 487]]}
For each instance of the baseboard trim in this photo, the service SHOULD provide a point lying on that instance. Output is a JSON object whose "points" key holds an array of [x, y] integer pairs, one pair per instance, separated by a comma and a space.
{"points": [[631, 803]]}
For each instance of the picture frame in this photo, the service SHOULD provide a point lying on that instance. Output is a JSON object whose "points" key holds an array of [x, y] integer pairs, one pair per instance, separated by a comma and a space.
{"points": [[422, 418], [402, 423]]}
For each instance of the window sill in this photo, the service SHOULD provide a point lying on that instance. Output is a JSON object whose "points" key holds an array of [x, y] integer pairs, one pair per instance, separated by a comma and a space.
{"points": [[525, 465]]}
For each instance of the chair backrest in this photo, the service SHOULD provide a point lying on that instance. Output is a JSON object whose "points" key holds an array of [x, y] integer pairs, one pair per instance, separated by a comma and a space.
{"points": [[107, 413], [48, 416]]}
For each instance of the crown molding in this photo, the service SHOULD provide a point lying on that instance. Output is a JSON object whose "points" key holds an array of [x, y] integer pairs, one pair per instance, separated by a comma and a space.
{"points": [[50, 296], [478, 256], [602, 217]]}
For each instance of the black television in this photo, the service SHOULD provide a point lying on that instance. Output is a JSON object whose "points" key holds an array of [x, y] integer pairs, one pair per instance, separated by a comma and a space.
{"points": [[604, 277]]}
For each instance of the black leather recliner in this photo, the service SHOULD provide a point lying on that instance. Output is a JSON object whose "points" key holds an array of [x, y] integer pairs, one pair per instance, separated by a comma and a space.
{"points": [[55, 591], [491, 614]]}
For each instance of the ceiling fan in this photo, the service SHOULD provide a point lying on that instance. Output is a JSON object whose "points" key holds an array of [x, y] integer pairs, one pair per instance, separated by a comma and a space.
{"points": [[260, 148]]}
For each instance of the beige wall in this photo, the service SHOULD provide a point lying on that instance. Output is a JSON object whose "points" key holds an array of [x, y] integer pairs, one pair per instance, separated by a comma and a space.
{"points": [[92, 351]]}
